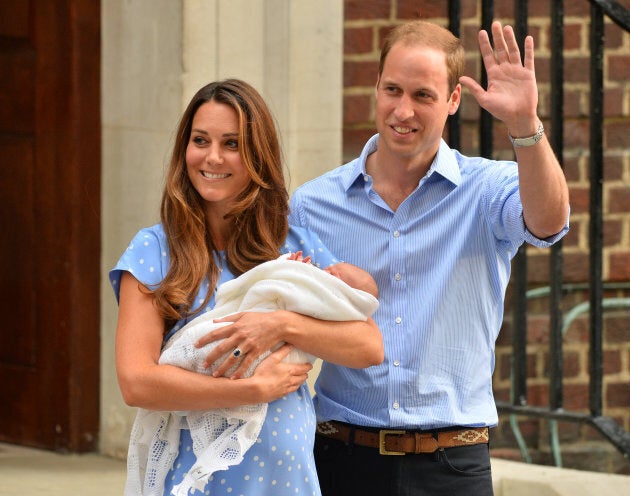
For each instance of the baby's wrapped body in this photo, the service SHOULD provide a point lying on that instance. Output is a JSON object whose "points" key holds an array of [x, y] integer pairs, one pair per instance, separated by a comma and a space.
{"points": [[222, 436]]}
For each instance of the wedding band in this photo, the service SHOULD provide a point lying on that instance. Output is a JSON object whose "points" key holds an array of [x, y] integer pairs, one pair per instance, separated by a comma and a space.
{"points": [[237, 352]]}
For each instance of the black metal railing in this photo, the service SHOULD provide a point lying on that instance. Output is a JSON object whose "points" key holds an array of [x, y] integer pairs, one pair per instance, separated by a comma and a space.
{"points": [[517, 405]]}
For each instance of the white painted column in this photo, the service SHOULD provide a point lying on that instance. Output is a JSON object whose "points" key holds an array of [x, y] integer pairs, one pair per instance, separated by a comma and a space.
{"points": [[141, 95]]}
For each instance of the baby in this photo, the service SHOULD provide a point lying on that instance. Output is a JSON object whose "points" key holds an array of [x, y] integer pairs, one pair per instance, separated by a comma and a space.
{"points": [[222, 436]]}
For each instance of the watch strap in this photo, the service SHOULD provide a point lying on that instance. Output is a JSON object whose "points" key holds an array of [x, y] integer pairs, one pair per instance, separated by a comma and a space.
{"points": [[529, 140]]}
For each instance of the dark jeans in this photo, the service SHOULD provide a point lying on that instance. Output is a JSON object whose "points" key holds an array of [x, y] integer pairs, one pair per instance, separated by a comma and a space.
{"points": [[346, 470]]}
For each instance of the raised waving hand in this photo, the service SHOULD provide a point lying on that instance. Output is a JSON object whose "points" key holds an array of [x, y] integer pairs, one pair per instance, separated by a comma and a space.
{"points": [[512, 94]]}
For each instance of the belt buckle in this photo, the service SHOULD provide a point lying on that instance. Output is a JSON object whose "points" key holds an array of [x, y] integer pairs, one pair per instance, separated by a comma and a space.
{"points": [[381, 441]]}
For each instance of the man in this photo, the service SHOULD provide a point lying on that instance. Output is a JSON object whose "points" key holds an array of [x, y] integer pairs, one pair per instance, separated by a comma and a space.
{"points": [[437, 230]]}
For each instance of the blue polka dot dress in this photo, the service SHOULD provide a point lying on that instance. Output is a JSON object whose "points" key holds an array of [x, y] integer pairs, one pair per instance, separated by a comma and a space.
{"points": [[281, 461]]}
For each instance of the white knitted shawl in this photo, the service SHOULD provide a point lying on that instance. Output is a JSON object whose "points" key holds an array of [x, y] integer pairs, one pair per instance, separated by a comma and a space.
{"points": [[222, 436]]}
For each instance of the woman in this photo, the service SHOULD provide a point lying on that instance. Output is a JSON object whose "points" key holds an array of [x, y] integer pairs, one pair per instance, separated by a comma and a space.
{"points": [[224, 211]]}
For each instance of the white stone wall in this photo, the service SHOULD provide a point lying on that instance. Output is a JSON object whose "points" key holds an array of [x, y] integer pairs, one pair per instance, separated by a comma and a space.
{"points": [[155, 55]]}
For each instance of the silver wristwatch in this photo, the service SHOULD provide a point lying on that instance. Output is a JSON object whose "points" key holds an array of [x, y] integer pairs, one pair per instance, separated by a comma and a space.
{"points": [[530, 140]]}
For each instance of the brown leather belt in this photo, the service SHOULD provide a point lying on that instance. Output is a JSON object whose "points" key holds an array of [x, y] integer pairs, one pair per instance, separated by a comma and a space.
{"points": [[398, 442]]}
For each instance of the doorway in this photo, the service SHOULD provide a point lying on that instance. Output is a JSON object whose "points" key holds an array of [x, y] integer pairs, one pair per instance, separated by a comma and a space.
{"points": [[50, 167]]}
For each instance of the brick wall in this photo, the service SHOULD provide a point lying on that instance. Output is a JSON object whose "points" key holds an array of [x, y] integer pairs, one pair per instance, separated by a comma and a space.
{"points": [[366, 23]]}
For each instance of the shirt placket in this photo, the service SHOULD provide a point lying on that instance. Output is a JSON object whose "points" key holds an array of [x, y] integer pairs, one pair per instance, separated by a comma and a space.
{"points": [[397, 321]]}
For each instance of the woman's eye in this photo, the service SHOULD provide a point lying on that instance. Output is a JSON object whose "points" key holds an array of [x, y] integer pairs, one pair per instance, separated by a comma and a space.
{"points": [[198, 140], [233, 144]]}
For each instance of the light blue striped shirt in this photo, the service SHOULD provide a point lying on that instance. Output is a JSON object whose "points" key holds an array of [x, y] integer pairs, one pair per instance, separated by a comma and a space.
{"points": [[442, 264]]}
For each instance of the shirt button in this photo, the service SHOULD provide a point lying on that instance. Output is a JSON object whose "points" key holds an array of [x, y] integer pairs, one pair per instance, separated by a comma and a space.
{"points": [[398, 320], [398, 277], [396, 405], [396, 363], [396, 234]]}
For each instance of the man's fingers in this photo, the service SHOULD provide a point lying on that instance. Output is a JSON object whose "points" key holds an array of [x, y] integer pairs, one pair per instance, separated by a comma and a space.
{"points": [[487, 54], [529, 53], [500, 45], [473, 86]]}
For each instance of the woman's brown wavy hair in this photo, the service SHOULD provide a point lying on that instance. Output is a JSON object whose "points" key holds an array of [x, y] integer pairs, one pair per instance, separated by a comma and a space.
{"points": [[259, 215]]}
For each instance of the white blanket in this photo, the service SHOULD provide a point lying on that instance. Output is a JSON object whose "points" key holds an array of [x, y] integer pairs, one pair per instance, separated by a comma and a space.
{"points": [[222, 436]]}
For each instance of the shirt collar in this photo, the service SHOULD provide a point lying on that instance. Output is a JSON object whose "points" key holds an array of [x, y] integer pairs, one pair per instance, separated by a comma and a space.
{"points": [[445, 163], [358, 164]]}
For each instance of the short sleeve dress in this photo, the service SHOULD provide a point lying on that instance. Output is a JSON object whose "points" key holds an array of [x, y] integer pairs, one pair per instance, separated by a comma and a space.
{"points": [[281, 461]]}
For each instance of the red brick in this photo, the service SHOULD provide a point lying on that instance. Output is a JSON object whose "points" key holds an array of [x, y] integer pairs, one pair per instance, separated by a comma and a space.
{"points": [[618, 68], [570, 364], [572, 101], [503, 366], [616, 134], [573, 36], [412, 9], [356, 109], [538, 395], [613, 168], [578, 330], [577, 69], [572, 238], [537, 268], [612, 362], [360, 74], [618, 395], [619, 266], [576, 134], [530, 361], [568, 431], [504, 10], [358, 40], [619, 199], [537, 329], [469, 108], [353, 142], [535, 32], [579, 199], [529, 430], [469, 9], [577, 8], [572, 170], [366, 9], [617, 327], [612, 232], [469, 138], [470, 36], [502, 394], [613, 36], [539, 9], [575, 396], [542, 69], [576, 267], [505, 335], [501, 143]]}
